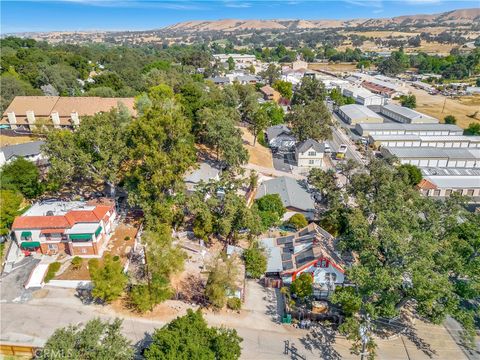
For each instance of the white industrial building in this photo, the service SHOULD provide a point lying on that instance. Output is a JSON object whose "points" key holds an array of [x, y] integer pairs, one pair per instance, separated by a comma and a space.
{"points": [[434, 157], [412, 140], [442, 182], [363, 96], [354, 114], [416, 129], [405, 115]]}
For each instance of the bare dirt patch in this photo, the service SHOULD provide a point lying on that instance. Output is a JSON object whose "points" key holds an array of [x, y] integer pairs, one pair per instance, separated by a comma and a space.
{"points": [[259, 154], [14, 140]]}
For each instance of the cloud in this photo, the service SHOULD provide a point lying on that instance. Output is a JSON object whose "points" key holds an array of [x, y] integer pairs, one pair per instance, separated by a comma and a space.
{"points": [[423, 2], [236, 5], [173, 5], [365, 3]]}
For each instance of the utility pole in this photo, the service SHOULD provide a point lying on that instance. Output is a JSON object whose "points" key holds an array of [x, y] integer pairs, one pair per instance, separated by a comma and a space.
{"points": [[364, 330], [148, 276]]}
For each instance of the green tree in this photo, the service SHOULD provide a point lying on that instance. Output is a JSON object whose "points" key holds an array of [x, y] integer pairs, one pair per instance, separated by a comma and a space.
{"points": [[472, 129], [231, 63], [143, 297], [274, 111], [271, 73], [22, 175], [108, 281], [258, 123], [311, 121], [297, 221], [271, 203], [409, 101], [98, 340], [189, 337], [310, 90], [10, 201], [302, 286], [96, 152], [284, 88], [222, 278], [450, 119], [255, 261], [411, 172], [395, 64]]}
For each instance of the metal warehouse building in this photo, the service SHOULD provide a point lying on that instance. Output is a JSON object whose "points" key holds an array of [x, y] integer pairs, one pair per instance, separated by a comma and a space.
{"points": [[416, 129], [405, 115], [442, 182], [435, 157], [410, 140], [362, 96], [354, 114]]}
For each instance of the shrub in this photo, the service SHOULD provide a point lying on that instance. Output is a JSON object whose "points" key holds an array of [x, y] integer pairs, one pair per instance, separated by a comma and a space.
{"points": [[93, 264], [234, 303], [52, 270], [126, 238], [302, 285], [77, 262], [116, 258], [297, 221]]}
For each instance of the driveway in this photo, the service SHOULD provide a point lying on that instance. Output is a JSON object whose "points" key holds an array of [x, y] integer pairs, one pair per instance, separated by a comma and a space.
{"points": [[12, 284]]}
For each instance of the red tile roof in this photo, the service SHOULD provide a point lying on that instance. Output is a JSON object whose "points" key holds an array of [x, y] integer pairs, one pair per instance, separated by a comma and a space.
{"points": [[41, 222], [77, 216], [426, 185], [52, 231]]}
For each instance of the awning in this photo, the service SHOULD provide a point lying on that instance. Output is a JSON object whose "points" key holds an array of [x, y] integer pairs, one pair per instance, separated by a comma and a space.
{"points": [[30, 244], [52, 231], [26, 234], [99, 230], [80, 236]]}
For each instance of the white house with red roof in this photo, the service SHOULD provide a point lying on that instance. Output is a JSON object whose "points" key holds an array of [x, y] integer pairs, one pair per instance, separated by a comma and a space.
{"points": [[76, 228], [310, 250]]}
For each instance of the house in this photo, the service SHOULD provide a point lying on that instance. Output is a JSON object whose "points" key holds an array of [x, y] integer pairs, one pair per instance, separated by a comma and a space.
{"points": [[270, 93], [204, 173], [75, 228], [280, 138], [311, 250], [30, 151], [247, 79], [295, 198], [63, 112], [356, 114], [219, 80], [406, 115], [309, 153]]}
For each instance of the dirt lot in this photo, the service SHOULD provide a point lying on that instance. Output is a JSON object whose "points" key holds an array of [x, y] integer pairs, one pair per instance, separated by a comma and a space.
{"points": [[14, 140], [460, 108], [259, 155], [340, 67]]}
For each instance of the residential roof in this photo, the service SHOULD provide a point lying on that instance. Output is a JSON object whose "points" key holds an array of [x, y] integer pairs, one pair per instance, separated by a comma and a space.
{"points": [[426, 185], [290, 191], [355, 111], [44, 106], [268, 90], [220, 80], [308, 144], [274, 255], [83, 228], [26, 149], [204, 173], [274, 131]]}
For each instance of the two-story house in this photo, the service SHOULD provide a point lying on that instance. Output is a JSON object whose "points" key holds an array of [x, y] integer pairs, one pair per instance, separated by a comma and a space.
{"points": [[76, 228], [309, 153]]}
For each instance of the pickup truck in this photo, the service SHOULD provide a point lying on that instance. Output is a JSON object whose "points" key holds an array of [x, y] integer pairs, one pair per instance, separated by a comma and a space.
{"points": [[341, 152]]}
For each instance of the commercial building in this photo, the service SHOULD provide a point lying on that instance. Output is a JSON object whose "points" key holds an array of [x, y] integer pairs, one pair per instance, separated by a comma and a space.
{"points": [[30, 151], [354, 114], [435, 157], [75, 228], [25, 111], [409, 140], [309, 153], [443, 182], [363, 96], [405, 115], [416, 129], [238, 58], [311, 250]]}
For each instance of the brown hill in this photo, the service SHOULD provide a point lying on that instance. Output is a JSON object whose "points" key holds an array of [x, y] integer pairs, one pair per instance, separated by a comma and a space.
{"points": [[455, 17]]}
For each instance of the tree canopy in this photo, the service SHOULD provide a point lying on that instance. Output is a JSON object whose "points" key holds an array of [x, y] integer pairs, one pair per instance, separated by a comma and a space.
{"points": [[23, 176]]}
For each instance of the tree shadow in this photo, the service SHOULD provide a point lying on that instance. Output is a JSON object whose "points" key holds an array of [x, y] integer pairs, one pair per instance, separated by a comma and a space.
{"points": [[140, 346], [411, 334], [321, 339]]}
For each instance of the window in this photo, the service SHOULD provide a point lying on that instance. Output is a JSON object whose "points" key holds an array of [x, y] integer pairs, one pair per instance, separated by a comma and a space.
{"points": [[52, 247], [470, 192], [312, 153], [84, 251], [436, 192], [311, 162], [448, 192], [330, 277]]}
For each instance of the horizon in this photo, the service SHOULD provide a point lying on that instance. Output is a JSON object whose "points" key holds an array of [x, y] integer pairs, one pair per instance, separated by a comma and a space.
{"points": [[107, 15]]}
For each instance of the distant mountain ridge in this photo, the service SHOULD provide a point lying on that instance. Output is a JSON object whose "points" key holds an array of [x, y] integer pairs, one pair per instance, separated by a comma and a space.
{"points": [[449, 18]]}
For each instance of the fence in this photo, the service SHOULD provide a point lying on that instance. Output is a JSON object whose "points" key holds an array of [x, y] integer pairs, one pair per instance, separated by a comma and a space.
{"points": [[17, 350]]}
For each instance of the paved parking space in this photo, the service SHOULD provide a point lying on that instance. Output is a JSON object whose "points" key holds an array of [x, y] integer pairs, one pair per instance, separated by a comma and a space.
{"points": [[12, 285], [284, 162]]}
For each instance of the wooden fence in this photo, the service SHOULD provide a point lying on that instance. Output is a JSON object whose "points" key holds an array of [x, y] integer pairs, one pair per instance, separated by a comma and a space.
{"points": [[18, 350]]}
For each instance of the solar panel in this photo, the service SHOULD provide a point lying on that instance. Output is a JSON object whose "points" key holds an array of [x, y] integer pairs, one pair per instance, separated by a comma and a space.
{"points": [[286, 257], [285, 239], [287, 265]]}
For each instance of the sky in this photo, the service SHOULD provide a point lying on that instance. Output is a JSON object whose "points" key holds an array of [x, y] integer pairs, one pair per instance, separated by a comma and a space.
{"points": [[74, 15]]}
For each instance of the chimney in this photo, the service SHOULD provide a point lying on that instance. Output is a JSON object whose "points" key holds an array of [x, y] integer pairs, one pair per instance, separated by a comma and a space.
{"points": [[30, 117], [75, 119], [12, 120], [55, 119]]}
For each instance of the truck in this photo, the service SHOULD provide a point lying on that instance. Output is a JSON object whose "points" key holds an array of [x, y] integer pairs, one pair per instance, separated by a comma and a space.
{"points": [[342, 150]]}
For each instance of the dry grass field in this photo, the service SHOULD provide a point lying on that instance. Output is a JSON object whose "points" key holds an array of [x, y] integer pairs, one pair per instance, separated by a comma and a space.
{"points": [[440, 106], [14, 140], [340, 67], [259, 155]]}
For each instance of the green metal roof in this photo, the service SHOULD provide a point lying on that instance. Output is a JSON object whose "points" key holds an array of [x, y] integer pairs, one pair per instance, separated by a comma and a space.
{"points": [[26, 234], [98, 231], [80, 236]]}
